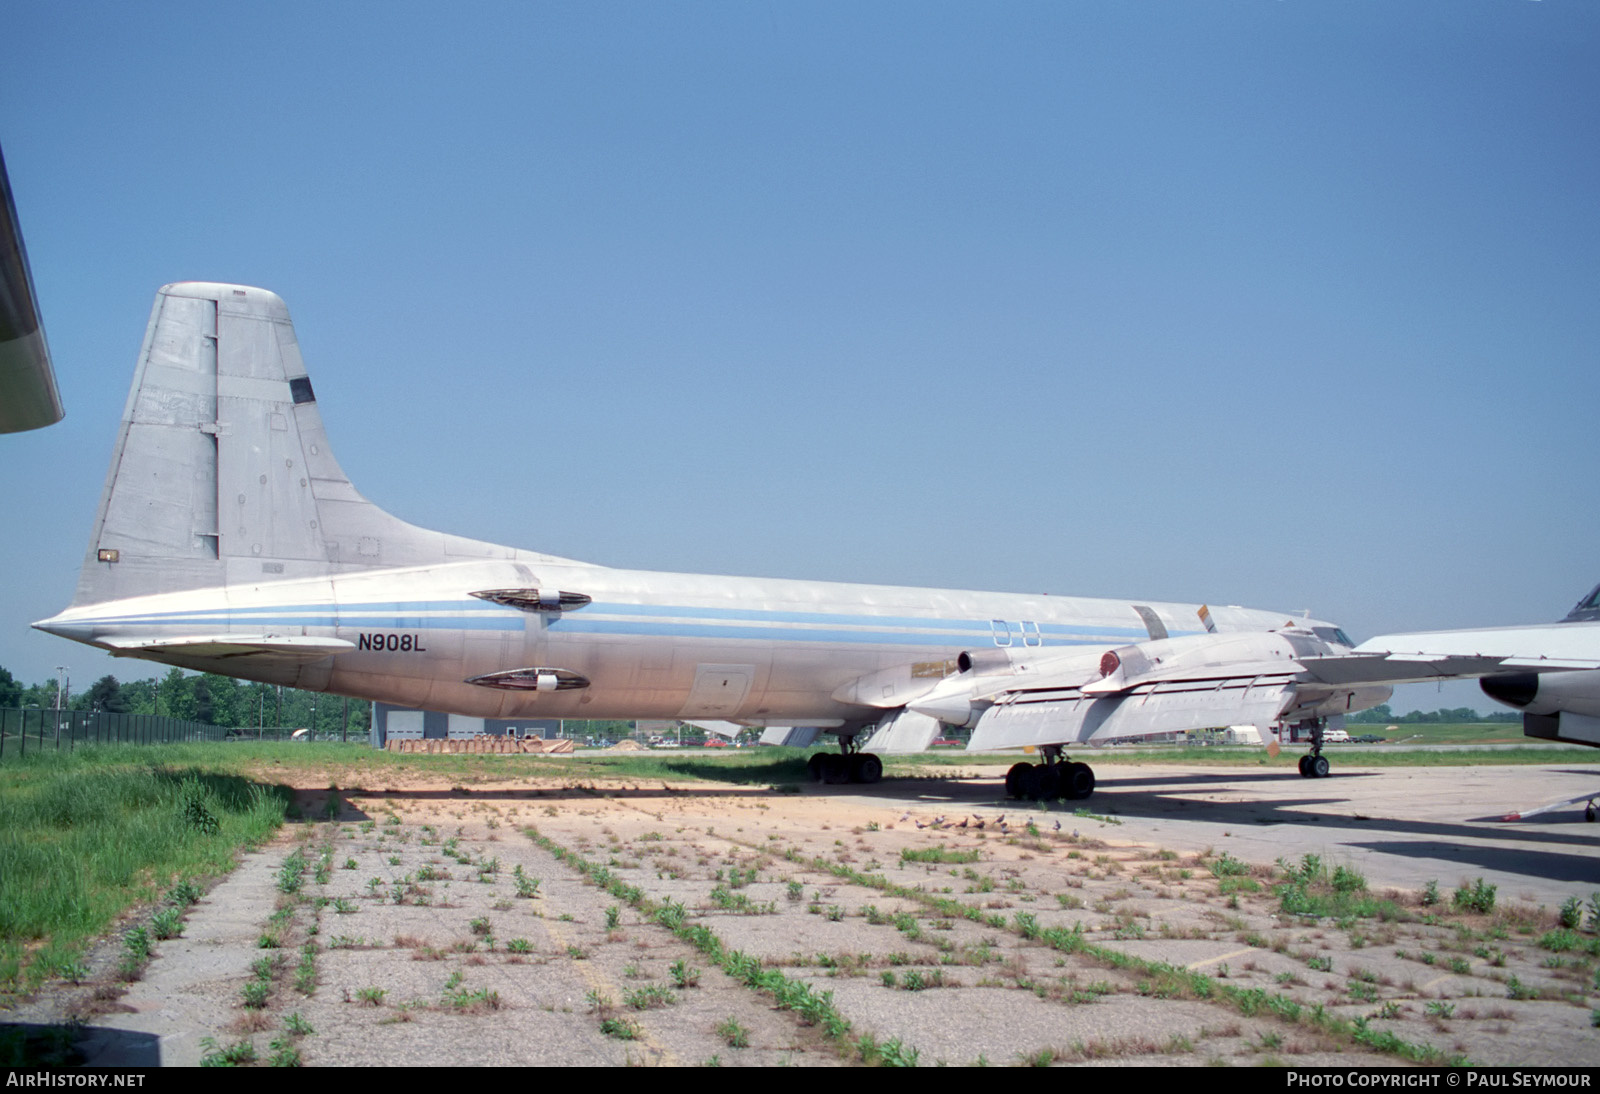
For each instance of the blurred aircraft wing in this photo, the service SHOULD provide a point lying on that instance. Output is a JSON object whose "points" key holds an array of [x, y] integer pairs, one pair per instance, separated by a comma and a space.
{"points": [[28, 395], [1435, 655]]}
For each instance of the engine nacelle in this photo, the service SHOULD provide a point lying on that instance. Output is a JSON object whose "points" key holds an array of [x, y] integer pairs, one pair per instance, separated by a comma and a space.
{"points": [[1556, 706], [1546, 692]]}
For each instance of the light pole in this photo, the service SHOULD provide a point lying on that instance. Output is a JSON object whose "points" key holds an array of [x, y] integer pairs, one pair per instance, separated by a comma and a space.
{"points": [[63, 697]]}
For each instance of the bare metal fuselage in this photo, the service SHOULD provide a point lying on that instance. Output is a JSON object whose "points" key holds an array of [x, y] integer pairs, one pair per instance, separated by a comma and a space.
{"points": [[649, 645]]}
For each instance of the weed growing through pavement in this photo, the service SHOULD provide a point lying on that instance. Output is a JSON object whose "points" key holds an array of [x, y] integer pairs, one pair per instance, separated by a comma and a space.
{"points": [[235, 1055], [683, 975], [291, 875], [649, 997], [623, 1029], [734, 1034], [1476, 897]]}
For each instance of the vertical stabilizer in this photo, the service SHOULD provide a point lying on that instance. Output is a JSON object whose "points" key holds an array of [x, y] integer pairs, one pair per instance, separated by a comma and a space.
{"points": [[222, 471]]}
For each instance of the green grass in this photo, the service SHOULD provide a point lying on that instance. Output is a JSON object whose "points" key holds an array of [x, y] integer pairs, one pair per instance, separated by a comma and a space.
{"points": [[356, 765], [86, 835], [937, 854]]}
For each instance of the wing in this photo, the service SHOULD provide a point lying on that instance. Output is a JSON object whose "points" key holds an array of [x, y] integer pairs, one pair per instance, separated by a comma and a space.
{"points": [[1073, 716], [1403, 658], [28, 395], [1092, 695]]}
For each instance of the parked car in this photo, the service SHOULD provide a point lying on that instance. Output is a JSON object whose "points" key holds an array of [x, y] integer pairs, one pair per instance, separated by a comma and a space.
{"points": [[715, 742]]}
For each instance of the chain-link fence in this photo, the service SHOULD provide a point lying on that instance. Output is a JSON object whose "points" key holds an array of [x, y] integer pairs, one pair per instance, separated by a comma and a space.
{"points": [[21, 730]]}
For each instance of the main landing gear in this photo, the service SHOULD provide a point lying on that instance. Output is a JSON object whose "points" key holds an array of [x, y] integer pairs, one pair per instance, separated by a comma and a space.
{"points": [[1055, 778], [845, 766], [1314, 765]]}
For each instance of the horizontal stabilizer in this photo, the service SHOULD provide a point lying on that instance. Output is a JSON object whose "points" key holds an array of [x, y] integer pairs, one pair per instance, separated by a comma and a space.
{"points": [[267, 646]]}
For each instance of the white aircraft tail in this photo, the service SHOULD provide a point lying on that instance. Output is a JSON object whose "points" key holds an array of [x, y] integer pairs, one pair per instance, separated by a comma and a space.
{"points": [[222, 472]]}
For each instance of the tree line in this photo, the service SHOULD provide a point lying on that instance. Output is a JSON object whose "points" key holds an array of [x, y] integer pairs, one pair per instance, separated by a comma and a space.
{"points": [[224, 701], [198, 697], [1382, 715]]}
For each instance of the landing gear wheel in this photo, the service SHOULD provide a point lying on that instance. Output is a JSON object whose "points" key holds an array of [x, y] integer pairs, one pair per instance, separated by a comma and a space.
{"points": [[1077, 781], [1318, 767], [835, 768], [1305, 762], [1017, 780], [1046, 783], [865, 768], [1588, 812], [814, 765]]}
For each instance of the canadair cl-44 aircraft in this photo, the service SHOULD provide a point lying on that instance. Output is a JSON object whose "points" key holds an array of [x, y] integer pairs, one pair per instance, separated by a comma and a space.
{"points": [[228, 540]]}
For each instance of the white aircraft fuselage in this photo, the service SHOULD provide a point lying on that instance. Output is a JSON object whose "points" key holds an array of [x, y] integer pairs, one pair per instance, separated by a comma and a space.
{"points": [[650, 645]]}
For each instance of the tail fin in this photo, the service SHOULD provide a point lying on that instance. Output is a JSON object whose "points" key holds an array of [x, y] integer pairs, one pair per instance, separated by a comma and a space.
{"points": [[222, 471], [1586, 610]]}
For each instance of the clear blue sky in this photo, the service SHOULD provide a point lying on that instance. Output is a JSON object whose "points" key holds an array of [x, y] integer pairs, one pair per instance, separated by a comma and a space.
{"points": [[1283, 304]]}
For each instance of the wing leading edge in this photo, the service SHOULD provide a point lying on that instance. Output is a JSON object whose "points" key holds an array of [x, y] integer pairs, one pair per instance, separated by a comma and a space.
{"points": [[28, 395]]}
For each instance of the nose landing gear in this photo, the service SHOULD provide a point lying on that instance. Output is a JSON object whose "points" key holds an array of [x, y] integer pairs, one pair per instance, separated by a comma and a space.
{"points": [[1314, 765]]}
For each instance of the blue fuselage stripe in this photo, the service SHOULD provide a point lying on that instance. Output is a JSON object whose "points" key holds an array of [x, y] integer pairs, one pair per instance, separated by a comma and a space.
{"points": [[788, 634], [658, 620]]}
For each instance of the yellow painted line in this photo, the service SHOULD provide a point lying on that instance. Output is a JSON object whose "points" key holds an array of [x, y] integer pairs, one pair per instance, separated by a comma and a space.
{"points": [[1220, 958]]}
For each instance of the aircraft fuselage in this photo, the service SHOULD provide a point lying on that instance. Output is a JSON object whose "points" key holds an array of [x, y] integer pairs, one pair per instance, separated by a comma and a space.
{"points": [[645, 645]]}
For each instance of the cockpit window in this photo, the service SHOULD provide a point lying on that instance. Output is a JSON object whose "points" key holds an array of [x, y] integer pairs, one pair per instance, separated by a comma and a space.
{"points": [[1335, 635]]}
